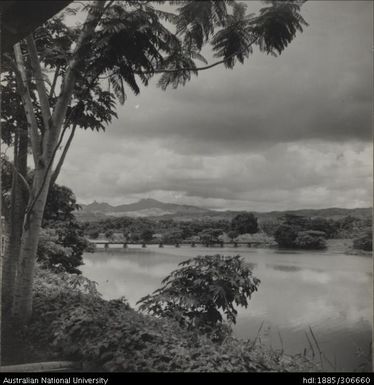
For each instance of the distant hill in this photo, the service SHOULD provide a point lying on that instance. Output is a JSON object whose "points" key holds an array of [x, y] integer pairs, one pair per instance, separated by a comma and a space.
{"points": [[328, 213], [153, 208], [143, 208]]}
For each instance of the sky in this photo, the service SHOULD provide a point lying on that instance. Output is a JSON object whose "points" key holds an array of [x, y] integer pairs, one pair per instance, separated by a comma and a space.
{"points": [[276, 133]]}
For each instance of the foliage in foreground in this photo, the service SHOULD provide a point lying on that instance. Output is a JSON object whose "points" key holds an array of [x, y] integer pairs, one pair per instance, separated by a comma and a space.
{"points": [[62, 241], [61, 248], [70, 317], [200, 290]]}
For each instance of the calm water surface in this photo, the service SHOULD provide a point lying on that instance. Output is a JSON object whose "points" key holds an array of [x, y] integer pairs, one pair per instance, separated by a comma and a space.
{"points": [[329, 291]]}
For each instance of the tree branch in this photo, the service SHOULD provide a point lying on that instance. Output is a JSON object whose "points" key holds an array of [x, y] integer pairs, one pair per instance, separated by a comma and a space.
{"points": [[38, 75], [53, 86], [23, 90], [32, 203], [70, 74], [108, 5], [67, 121], [197, 69], [63, 156]]}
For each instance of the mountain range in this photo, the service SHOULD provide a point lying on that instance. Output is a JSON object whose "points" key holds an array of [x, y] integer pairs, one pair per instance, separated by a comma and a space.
{"points": [[142, 208], [154, 208]]}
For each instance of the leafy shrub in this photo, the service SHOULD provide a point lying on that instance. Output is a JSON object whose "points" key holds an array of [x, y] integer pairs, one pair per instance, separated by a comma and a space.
{"points": [[195, 294], [53, 255], [292, 237], [70, 316], [70, 234], [90, 248], [172, 236], [232, 234], [299, 222], [93, 234], [54, 294], [62, 247], [147, 235], [60, 206], [352, 227], [268, 226], [322, 224], [285, 236], [244, 223], [315, 240], [210, 236], [364, 243]]}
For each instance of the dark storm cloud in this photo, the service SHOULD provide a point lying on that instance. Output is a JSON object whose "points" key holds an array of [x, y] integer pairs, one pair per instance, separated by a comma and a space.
{"points": [[319, 88]]}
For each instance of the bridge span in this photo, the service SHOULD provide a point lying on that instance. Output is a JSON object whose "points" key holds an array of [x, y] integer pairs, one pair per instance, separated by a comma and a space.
{"points": [[125, 244]]}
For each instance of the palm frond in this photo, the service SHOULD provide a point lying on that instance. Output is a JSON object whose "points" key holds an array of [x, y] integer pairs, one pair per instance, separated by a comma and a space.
{"points": [[198, 20], [234, 41], [181, 66], [117, 83], [278, 24]]}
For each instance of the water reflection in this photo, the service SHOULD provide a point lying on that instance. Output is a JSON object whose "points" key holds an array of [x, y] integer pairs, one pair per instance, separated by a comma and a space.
{"points": [[330, 292], [283, 267]]}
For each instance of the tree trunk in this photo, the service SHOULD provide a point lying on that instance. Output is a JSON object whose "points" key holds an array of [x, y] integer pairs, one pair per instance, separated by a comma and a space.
{"points": [[22, 303], [44, 149], [17, 213]]}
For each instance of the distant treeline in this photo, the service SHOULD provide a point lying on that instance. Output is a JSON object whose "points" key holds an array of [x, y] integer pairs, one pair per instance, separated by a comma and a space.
{"points": [[169, 230], [210, 230]]}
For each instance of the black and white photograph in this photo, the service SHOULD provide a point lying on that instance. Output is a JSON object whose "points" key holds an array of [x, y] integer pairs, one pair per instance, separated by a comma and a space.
{"points": [[186, 187]]}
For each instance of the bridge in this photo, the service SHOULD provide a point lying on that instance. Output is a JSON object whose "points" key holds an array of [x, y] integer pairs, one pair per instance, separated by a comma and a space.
{"points": [[125, 244]]}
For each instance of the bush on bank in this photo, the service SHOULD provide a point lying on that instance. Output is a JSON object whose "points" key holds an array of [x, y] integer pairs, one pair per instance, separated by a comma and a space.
{"points": [[312, 240], [71, 319], [365, 242], [201, 292]]}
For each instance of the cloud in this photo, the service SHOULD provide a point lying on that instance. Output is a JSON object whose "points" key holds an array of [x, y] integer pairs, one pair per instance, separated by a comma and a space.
{"points": [[284, 176], [319, 88], [276, 133]]}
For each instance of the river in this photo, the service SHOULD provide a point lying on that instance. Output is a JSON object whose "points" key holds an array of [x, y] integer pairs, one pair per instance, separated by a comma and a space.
{"points": [[328, 291]]}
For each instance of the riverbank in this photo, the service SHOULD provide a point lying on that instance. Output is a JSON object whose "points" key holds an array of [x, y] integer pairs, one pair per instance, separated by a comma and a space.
{"points": [[72, 322], [346, 246]]}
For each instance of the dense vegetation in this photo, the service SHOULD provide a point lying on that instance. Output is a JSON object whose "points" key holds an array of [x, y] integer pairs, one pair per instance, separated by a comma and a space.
{"points": [[299, 232], [365, 242], [289, 231], [244, 223], [312, 233], [206, 230], [62, 240], [70, 320]]}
